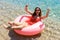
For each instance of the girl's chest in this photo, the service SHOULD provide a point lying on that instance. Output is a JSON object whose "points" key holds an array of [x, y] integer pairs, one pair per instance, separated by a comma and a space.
{"points": [[35, 19]]}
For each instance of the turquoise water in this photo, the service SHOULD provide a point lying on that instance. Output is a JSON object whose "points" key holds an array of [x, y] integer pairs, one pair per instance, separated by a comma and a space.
{"points": [[53, 5]]}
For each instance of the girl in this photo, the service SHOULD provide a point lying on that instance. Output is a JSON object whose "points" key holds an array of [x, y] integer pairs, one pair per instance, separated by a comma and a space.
{"points": [[36, 16]]}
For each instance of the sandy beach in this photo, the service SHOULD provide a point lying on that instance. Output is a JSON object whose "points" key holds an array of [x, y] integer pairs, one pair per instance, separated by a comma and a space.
{"points": [[9, 13]]}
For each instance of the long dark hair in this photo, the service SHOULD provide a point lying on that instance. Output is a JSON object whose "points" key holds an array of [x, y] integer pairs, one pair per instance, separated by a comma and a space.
{"points": [[34, 14]]}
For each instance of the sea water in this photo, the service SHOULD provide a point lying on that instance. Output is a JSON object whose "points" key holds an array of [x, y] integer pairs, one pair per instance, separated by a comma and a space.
{"points": [[10, 9], [53, 5]]}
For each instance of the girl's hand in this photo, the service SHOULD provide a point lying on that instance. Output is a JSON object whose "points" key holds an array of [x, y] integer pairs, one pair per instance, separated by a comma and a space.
{"points": [[26, 6], [48, 9], [26, 9]]}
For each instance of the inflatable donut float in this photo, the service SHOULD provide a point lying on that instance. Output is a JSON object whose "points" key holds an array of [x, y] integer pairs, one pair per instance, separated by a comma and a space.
{"points": [[33, 29]]}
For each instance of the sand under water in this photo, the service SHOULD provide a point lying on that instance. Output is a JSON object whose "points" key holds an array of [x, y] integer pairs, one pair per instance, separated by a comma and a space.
{"points": [[9, 13]]}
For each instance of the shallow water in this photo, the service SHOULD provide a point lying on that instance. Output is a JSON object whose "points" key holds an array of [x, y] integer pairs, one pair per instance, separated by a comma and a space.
{"points": [[43, 4], [10, 9]]}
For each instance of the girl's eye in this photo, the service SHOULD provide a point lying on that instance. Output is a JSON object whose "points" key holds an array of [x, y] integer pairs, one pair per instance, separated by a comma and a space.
{"points": [[37, 10]]}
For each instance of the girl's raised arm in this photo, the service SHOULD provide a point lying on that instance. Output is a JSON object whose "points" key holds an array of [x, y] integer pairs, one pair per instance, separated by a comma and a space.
{"points": [[26, 9], [46, 14]]}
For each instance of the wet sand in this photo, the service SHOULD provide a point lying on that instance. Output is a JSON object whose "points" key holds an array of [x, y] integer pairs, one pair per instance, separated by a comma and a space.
{"points": [[9, 13]]}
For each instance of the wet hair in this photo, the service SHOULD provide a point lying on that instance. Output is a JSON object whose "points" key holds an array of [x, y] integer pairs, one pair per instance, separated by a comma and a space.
{"points": [[34, 14]]}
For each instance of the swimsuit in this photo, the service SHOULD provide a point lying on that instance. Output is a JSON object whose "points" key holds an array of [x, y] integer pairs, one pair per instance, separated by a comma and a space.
{"points": [[33, 20]]}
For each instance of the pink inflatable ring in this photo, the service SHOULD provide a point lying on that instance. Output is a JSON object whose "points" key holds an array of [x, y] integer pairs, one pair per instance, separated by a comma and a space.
{"points": [[31, 30]]}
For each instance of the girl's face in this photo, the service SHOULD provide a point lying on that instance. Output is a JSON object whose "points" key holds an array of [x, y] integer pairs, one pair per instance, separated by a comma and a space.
{"points": [[37, 11]]}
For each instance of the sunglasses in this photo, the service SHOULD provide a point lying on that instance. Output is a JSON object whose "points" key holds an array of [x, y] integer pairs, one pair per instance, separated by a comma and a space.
{"points": [[37, 10]]}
